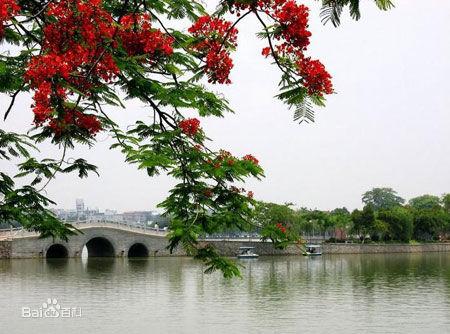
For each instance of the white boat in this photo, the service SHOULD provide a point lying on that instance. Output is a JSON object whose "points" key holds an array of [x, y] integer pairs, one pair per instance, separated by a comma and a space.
{"points": [[313, 250], [247, 253]]}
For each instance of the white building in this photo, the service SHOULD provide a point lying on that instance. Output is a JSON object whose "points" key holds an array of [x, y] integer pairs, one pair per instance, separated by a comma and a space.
{"points": [[80, 206]]}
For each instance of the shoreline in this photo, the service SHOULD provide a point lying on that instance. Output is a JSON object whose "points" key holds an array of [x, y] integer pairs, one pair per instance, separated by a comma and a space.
{"points": [[230, 248]]}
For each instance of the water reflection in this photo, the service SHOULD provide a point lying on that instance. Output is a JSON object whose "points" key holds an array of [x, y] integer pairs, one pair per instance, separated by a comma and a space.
{"points": [[339, 294], [56, 266], [100, 266]]}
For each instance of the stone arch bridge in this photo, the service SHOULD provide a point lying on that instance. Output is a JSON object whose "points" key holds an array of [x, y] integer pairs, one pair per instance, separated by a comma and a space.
{"points": [[112, 239], [101, 239]]}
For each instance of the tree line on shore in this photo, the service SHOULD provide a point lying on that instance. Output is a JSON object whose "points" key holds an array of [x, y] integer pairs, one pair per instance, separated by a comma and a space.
{"points": [[385, 217]]}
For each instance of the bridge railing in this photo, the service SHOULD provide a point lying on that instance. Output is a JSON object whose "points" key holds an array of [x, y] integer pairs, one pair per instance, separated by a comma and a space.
{"points": [[19, 232], [9, 233], [121, 225]]}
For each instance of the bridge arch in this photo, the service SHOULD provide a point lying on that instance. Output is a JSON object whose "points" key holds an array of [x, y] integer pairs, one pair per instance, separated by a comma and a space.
{"points": [[138, 249], [56, 251], [99, 246]]}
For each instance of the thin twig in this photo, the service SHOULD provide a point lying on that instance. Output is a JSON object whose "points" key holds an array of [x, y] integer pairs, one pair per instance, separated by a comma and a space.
{"points": [[13, 99], [56, 170]]}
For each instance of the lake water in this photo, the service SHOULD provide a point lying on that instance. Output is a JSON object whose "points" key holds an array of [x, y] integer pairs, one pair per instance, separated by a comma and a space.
{"points": [[328, 294]]}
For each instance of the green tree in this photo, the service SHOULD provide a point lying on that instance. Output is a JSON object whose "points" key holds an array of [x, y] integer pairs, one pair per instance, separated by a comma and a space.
{"points": [[307, 225], [429, 224], [382, 198], [325, 223], [341, 220], [379, 231], [363, 221], [425, 202], [446, 202], [277, 222], [400, 222]]}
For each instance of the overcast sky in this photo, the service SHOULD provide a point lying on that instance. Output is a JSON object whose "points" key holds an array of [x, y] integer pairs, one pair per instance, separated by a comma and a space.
{"points": [[388, 124]]}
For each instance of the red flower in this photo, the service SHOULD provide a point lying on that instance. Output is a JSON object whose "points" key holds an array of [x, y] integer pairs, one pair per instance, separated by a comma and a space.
{"points": [[266, 52], [224, 154], [90, 123], [281, 228], [8, 9], [293, 19], [138, 38], [189, 126], [216, 37], [46, 67], [235, 189], [218, 66], [292, 32], [74, 118], [316, 79], [251, 158], [213, 30], [74, 53]]}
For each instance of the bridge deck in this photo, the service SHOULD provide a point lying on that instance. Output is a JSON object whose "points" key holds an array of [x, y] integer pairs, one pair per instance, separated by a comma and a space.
{"points": [[14, 233]]}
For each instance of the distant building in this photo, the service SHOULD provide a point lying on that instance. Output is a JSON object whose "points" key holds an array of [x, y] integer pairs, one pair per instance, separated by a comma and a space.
{"points": [[110, 212], [137, 216], [66, 215], [82, 213], [79, 204]]}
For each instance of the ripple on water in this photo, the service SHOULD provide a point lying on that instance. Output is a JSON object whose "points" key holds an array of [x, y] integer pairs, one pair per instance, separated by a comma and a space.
{"points": [[330, 294]]}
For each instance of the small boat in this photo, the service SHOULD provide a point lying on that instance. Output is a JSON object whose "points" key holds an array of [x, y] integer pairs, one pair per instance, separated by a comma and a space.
{"points": [[313, 250], [247, 253]]}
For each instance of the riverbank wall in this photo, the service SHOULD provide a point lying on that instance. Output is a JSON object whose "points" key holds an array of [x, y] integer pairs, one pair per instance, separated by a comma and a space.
{"points": [[5, 249], [340, 248], [231, 248]]}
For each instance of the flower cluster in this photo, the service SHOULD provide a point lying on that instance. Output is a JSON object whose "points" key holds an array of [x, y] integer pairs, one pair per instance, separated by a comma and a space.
{"points": [[8, 9], [237, 190], [291, 29], [80, 32], [293, 20], [224, 158], [139, 38], [316, 79], [251, 158], [281, 227], [227, 157], [189, 126], [72, 118], [75, 54], [79, 40], [215, 38]]}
